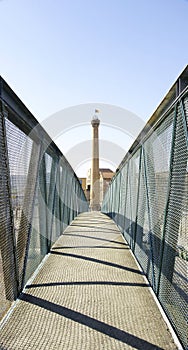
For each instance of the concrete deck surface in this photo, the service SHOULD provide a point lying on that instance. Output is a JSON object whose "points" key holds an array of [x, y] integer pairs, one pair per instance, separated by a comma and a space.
{"points": [[88, 294]]}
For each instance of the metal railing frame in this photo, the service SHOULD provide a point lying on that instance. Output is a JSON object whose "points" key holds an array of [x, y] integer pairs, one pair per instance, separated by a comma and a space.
{"points": [[112, 206], [54, 208]]}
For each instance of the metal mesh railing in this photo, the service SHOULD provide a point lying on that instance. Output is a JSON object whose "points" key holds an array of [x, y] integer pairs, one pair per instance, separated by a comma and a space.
{"points": [[39, 195], [148, 199]]}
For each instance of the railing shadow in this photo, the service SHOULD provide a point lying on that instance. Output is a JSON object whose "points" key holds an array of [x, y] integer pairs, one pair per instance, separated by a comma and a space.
{"points": [[87, 283], [98, 261], [94, 238], [99, 326], [90, 247]]}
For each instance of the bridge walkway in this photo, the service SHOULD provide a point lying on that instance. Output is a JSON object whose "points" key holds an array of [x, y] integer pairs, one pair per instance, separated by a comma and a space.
{"points": [[89, 294]]}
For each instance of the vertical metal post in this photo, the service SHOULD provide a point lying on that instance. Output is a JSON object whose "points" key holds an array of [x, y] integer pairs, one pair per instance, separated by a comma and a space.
{"points": [[71, 203], [58, 203], [68, 198], [111, 198], [167, 202], [125, 211], [25, 228], [150, 225], [42, 200], [119, 201], [60, 197], [7, 238], [51, 198], [114, 211], [184, 120], [137, 204], [65, 198]]}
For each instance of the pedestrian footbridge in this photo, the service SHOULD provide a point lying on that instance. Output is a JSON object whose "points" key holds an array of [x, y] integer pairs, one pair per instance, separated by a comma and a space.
{"points": [[88, 293], [75, 279]]}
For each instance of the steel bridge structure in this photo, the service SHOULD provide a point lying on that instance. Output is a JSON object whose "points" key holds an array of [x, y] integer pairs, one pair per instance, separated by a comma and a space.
{"points": [[75, 279]]}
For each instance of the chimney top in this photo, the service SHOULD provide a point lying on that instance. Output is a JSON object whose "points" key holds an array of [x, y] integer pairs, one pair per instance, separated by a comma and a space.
{"points": [[95, 120]]}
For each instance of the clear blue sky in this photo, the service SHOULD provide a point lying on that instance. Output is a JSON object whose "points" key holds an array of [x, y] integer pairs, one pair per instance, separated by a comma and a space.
{"points": [[61, 53]]}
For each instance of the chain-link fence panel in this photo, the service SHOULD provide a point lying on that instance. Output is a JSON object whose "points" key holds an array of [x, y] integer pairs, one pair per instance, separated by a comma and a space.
{"points": [[40, 195], [152, 202]]}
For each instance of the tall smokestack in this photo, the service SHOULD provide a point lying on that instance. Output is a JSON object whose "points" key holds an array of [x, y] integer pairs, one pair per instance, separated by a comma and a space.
{"points": [[95, 186]]}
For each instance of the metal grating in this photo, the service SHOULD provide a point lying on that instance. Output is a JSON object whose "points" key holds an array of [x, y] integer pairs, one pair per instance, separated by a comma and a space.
{"points": [[173, 287], [155, 198], [8, 285], [35, 195]]}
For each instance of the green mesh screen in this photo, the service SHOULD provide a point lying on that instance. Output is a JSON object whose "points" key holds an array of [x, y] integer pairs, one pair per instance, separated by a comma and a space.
{"points": [[148, 199], [39, 196]]}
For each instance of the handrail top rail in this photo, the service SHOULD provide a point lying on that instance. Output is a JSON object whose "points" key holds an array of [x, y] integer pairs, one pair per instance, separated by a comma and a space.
{"points": [[20, 115], [178, 89]]}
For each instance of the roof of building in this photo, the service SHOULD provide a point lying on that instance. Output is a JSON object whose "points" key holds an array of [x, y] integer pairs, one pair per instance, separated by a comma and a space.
{"points": [[105, 170], [106, 173]]}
